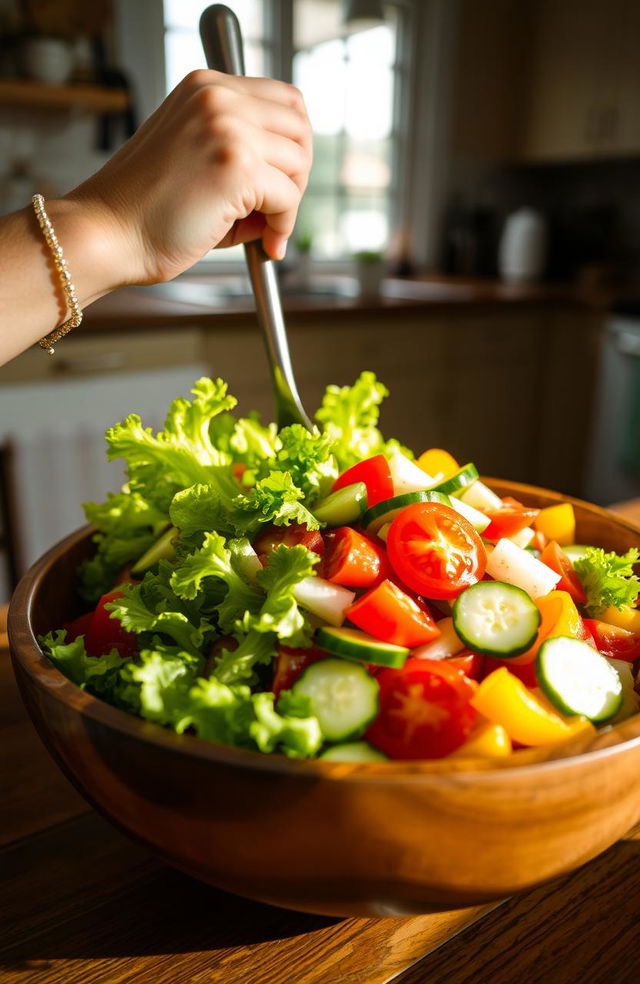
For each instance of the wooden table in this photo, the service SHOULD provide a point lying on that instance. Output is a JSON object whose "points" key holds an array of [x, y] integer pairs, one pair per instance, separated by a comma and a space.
{"points": [[81, 905]]}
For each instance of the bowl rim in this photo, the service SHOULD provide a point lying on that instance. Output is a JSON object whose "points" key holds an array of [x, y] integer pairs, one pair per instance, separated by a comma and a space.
{"points": [[26, 652]]}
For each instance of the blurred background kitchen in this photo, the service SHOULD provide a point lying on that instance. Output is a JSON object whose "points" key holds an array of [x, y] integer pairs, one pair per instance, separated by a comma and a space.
{"points": [[471, 233]]}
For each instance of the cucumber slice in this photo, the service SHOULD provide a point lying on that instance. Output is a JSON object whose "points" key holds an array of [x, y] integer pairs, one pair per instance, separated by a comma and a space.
{"points": [[342, 507], [353, 751], [477, 519], [384, 512], [578, 680], [575, 551], [343, 696], [356, 645], [456, 485], [496, 619], [162, 549], [480, 496]]}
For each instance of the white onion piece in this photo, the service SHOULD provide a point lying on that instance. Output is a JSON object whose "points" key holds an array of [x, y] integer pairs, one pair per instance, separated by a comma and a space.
{"points": [[516, 566], [326, 600], [406, 475], [447, 643]]}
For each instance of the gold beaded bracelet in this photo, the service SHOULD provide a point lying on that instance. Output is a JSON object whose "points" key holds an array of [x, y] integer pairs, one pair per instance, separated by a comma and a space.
{"points": [[60, 264]]}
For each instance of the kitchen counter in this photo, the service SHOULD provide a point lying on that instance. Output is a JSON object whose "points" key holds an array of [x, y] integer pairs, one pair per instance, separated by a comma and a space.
{"points": [[206, 300], [84, 905]]}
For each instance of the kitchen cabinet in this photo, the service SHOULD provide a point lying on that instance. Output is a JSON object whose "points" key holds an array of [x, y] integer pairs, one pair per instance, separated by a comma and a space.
{"points": [[547, 80]]}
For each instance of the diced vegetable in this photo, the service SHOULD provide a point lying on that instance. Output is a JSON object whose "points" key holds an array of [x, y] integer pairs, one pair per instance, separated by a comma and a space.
{"points": [[486, 741], [496, 619], [406, 475], [524, 539], [630, 698], [390, 614], [575, 551], [510, 519], [374, 473], [438, 463], [106, 633], [447, 643], [342, 507], [612, 641], [477, 519], [515, 566], [353, 751], [481, 497], [352, 559], [291, 664], [558, 523], [626, 617], [353, 644], [343, 697], [578, 680], [505, 700], [328, 601], [560, 617], [555, 558]]}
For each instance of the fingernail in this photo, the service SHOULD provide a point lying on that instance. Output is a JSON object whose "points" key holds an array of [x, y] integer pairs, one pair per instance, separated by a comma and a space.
{"points": [[282, 250]]}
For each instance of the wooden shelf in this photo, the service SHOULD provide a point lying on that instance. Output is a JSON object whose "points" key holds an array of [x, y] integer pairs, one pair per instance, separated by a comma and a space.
{"points": [[37, 95]]}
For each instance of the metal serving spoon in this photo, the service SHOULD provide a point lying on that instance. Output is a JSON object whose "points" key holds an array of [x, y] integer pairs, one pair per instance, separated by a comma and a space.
{"points": [[222, 42]]}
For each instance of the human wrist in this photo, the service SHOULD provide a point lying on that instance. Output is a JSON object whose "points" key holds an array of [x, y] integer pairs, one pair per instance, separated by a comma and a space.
{"points": [[94, 246]]}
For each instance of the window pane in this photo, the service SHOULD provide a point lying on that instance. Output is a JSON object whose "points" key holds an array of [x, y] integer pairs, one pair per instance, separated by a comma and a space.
{"points": [[316, 21], [366, 164], [186, 14], [364, 222], [183, 52], [370, 83], [322, 77], [327, 161]]}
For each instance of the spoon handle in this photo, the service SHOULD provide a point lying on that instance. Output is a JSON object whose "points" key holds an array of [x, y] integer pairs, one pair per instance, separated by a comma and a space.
{"points": [[222, 42]]}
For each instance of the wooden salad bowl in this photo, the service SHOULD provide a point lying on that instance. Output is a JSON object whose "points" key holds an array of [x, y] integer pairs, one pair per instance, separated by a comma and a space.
{"points": [[367, 839]]}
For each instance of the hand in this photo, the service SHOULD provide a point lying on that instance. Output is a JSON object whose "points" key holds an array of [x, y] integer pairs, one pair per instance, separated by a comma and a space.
{"points": [[224, 160]]}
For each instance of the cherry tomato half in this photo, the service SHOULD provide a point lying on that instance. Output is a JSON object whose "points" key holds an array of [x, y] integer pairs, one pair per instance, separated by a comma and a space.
{"points": [[510, 519], [376, 475], [435, 551], [391, 615], [291, 536], [352, 559], [614, 642], [470, 663], [554, 557], [106, 633], [424, 710], [78, 627]]}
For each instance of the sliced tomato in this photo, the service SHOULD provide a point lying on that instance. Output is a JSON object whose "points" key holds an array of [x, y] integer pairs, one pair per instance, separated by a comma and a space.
{"points": [[614, 642], [297, 533], [106, 633], [554, 557], [391, 615], [470, 663], [79, 626], [376, 475], [290, 664], [510, 519], [424, 710], [526, 672], [352, 559], [435, 551]]}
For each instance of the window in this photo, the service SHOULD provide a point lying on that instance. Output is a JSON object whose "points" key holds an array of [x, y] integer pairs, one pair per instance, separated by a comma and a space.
{"points": [[354, 87]]}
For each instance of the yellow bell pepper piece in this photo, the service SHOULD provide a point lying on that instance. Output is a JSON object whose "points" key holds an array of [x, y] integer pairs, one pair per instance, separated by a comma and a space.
{"points": [[487, 741], [625, 618], [557, 523], [505, 700], [558, 617], [438, 463]]}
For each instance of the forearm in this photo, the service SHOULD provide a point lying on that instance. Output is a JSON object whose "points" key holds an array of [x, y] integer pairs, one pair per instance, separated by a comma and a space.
{"points": [[32, 302]]}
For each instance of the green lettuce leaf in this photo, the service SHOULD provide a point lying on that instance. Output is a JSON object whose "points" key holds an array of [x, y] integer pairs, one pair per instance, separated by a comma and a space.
{"points": [[608, 579], [349, 415], [308, 458], [164, 676]]}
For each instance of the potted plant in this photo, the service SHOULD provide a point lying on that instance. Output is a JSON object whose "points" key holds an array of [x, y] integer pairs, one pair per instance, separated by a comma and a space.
{"points": [[370, 270]]}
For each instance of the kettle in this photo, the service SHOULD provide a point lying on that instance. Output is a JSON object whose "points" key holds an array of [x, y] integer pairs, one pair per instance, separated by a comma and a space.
{"points": [[522, 252]]}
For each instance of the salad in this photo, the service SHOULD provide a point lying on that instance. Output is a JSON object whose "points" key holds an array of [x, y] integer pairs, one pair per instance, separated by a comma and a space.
{"points": [[326, 594]]}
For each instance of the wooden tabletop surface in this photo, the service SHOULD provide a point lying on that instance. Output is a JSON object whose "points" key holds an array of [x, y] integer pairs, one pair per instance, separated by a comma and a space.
{"points": [[81, 904]]}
